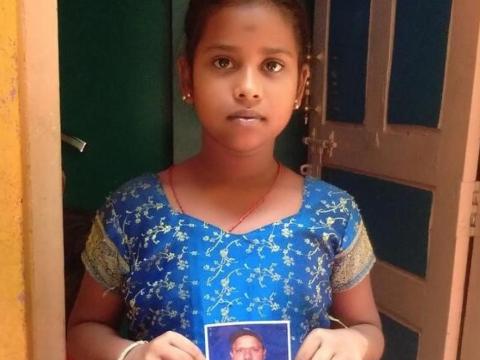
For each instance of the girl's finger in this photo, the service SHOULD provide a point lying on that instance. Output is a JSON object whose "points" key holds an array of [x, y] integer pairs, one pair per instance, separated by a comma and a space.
{"points": [[174, 353], [179, 341], [323, 354], [186, 345], [346, 357], [310, 345], [342, 357], [306, 352]]}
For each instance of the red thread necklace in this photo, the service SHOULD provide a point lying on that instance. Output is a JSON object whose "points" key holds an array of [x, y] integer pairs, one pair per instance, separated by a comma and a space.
{"points": [[250, 210]]}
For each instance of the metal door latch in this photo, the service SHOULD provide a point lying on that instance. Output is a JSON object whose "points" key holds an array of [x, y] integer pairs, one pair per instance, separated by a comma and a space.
{"points": [[322, 145]]}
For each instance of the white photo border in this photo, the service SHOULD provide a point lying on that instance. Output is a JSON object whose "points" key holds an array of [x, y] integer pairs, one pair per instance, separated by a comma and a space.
{"points": [[246, 324]]}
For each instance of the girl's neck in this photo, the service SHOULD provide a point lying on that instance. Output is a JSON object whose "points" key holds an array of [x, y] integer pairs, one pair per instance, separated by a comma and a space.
{"points": [[217, 164]]}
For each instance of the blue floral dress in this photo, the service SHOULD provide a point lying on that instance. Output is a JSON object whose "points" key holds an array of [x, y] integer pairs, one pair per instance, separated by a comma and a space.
{"points": [[176, 272]]}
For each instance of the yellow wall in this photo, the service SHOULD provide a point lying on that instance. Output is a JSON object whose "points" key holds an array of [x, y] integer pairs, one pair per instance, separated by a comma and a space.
{"points": [[13, 329], [32, 316]]}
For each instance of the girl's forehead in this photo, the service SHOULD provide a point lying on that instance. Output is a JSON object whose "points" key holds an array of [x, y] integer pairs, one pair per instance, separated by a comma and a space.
{"points": [[251, 21]]}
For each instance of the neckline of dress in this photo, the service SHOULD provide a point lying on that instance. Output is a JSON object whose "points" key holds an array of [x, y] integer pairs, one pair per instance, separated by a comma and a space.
{"points": [[254, 206], [306, 182]]}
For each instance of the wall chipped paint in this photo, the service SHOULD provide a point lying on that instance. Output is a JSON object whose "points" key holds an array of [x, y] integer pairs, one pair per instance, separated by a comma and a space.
{"points": [[13, 329]]}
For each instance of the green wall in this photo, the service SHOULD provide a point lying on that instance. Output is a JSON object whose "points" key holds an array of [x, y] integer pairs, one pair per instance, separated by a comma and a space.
{"points": [[115, 93]]}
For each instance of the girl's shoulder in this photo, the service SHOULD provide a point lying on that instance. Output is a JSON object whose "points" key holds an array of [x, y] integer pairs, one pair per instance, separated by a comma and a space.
{"points": [[135, 192], [326, 201], [138, 183], [320, 190]]}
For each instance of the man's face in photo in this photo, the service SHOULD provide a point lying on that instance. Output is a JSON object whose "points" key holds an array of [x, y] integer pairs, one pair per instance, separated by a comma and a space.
{"points": [[247, 347]]}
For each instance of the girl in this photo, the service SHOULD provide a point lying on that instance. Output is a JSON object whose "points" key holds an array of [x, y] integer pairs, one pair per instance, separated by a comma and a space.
{"points": [[230, 234]]}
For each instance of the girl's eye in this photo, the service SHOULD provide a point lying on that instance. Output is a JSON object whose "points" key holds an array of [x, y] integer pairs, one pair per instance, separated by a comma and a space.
{"points": [[223, 63], [273, 66]]}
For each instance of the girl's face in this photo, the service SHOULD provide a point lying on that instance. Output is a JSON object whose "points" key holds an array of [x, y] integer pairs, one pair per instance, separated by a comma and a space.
{"points": [[245, 77]]}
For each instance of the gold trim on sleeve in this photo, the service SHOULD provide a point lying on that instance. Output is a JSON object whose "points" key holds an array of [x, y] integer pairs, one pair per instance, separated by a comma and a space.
{"points": [[352, 265], [102, 258]]}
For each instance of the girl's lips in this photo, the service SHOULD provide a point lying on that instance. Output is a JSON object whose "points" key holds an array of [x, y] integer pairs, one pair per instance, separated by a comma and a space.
{"points": [[246, 116], [245, 121]]}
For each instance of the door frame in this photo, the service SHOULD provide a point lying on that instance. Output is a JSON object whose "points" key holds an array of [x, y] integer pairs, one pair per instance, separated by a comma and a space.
{"points": [[471, 324], [471, 315], [38, 69]]}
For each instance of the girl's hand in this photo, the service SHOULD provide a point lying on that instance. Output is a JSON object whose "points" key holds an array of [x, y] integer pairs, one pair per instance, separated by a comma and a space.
{"points": [[337, 344], [168, 346]]}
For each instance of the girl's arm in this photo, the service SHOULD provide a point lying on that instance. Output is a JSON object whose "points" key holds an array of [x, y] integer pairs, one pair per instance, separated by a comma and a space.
{"points": [[91, 334], [356, 308], [90, 329], [362, 340]]}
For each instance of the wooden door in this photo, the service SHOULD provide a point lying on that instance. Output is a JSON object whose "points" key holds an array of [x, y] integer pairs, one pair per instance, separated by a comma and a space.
{"points": [[395, 89]]}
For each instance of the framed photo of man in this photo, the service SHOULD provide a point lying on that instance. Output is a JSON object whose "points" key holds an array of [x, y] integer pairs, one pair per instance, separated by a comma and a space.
{"points": [[255, 340]]}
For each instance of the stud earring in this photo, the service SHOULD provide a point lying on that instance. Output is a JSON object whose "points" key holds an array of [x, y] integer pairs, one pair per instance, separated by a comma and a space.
{"points": [[186, 97], [296, 104]]}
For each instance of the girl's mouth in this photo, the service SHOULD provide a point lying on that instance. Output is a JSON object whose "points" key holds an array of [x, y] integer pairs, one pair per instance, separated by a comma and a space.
{"points": [[246, 116]]}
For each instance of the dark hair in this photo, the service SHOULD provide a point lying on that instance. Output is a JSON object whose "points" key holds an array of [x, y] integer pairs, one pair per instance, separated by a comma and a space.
{"points": [[200, 10], [242, 332]]}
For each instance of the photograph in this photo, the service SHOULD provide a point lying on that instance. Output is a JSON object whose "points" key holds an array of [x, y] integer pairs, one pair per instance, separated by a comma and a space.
{"points": [[257, 340]]}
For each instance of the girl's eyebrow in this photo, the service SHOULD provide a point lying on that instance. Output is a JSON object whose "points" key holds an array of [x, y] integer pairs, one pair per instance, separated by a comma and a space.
{"points": [[222, 47], [277, 51], [266, 50]]}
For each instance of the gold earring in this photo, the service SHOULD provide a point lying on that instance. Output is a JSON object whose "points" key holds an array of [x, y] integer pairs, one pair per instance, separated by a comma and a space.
{"points": [[306, 115]]}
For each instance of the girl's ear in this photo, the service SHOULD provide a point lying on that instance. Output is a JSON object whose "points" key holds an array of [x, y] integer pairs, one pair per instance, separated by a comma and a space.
{"points": [[185, 76], [303, 82]]}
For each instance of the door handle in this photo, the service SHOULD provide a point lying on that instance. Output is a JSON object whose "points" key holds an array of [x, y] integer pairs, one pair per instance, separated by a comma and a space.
{"points": [[77, 143]]}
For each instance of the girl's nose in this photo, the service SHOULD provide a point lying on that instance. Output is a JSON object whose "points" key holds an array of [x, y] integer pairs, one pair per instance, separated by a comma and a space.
{"points": [[248, 89]]}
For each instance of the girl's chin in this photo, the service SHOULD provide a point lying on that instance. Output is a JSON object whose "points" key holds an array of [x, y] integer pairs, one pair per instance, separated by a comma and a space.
{"points": [[244, 146]]}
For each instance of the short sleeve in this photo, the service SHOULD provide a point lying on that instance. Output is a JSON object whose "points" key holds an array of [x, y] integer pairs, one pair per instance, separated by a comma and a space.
{"points": [[355, 257], [101, 256]]}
